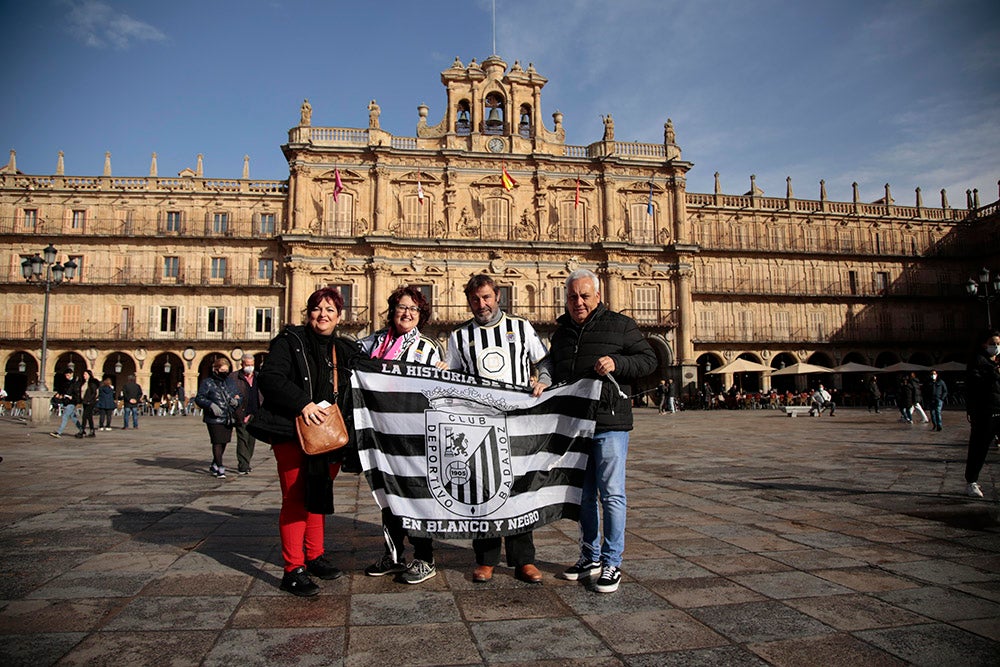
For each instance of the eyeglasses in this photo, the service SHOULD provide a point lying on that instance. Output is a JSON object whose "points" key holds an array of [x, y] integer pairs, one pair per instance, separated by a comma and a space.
{"points": [[407, 309]]}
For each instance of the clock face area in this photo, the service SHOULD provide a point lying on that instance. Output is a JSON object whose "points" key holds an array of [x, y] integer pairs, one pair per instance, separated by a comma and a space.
{"points": [[496, 145]]}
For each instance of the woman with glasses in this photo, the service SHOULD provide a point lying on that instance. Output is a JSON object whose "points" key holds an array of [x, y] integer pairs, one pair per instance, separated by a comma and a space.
{"points": [[401, 340]]}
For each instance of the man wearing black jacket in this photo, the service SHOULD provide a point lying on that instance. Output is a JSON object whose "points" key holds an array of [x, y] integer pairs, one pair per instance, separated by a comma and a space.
{"points": [[68, 394], [594, 342]]}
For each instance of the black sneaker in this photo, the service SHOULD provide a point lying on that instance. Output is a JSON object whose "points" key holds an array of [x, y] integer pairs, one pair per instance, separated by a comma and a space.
{"points": [[245, 472], [611, 576], [383, 566], [584, 569], [297, 582], [322, 567]]}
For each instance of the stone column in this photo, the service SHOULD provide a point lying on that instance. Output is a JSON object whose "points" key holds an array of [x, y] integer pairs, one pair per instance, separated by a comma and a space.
{"points": [[684, 334], [379, 277], [380, 195], [299, 188], [682, 228]]}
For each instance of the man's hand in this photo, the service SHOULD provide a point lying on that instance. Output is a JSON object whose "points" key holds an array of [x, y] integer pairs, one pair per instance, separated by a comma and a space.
{"points": [[537, 388], [605, 365]]}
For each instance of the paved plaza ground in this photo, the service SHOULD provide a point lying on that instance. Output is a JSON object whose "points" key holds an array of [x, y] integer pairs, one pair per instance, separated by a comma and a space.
{"points": [[753, 539]]}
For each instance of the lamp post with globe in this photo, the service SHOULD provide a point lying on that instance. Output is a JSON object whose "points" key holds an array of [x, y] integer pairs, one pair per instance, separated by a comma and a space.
{"points": [[44, 270], [985, 289]]}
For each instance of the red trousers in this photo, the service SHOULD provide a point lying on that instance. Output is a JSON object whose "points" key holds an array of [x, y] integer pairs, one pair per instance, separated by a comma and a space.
{"points": [[301, 531]]}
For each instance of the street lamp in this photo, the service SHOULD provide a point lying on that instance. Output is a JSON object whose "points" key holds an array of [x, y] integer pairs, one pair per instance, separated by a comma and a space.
{"points": [[985, 289], [55, 273]]}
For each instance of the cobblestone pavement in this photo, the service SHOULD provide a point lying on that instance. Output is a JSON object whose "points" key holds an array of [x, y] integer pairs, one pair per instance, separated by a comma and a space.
{"points": [[752, 539]]}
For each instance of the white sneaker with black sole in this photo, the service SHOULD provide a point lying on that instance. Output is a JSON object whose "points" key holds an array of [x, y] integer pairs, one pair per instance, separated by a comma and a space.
{"points": [[584, 569], [611, 576]]}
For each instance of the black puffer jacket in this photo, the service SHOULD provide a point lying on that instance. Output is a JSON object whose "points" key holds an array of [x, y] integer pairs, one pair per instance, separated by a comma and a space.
{"points": [[575, 349], [216, 399], [982, 387], [290, 379]]}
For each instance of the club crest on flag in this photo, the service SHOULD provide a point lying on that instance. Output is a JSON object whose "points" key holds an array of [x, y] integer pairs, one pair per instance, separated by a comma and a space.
{"points": [[468, 460]]}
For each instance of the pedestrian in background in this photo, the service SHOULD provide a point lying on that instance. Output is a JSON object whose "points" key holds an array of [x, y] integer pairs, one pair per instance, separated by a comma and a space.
{"points": [[218, 402], [105, 404], [68, 395], [244, 385], [982, 405], [937, 392]]}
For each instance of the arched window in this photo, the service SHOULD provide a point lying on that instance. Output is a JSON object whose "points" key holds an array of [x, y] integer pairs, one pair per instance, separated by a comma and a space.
{"points": [[340, 215], [496, 221], [524, 122], [463, 123], [495, 114]]}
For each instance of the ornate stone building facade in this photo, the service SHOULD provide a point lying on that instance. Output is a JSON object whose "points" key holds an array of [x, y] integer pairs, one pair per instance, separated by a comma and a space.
{"points": [[174, 271]]}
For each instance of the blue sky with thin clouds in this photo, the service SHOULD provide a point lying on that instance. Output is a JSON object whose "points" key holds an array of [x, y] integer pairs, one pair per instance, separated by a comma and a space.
{"points": [[905, 92]]}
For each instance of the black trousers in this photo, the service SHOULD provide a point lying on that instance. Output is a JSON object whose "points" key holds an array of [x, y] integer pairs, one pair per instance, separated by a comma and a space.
{"points": [[392, 525], [520, 550], [984, 430]]}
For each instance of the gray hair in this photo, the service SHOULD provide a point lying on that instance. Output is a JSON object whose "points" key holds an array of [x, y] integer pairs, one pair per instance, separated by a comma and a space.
{"points": [[584, 274]]}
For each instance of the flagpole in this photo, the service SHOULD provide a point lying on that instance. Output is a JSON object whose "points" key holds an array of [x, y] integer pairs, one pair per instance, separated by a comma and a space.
{"points": [[494, 27]]}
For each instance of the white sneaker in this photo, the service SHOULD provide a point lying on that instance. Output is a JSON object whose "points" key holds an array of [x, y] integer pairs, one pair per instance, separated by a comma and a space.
{"points": [[974, 490]]}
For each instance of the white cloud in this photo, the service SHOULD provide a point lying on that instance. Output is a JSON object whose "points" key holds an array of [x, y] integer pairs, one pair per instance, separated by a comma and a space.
{"points": [[99, 25]]}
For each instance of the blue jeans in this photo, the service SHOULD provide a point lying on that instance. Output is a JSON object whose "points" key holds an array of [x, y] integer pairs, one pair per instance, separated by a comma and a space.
{"points": [[134, 411], [69, 412], [936, 405], [603, 496]]}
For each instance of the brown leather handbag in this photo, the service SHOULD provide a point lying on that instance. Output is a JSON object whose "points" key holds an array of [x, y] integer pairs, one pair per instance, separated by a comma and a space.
{"points": [[328, 435]]}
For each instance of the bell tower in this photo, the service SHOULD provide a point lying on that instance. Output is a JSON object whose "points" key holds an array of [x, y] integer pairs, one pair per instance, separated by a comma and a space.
{"points": [[492, 109]]}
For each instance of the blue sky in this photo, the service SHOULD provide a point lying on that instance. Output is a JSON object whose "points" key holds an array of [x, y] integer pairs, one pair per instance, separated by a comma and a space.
{"points": [[874, 91]]}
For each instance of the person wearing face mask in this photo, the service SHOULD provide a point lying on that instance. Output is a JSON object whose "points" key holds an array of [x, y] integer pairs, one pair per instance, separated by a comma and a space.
{"points": [[982, 406], [402, 340], [218, 402], [937, 393], [244, 383]]}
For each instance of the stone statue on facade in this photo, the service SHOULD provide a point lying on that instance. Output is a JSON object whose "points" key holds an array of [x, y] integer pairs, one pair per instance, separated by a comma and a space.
{"points": [[305, 114], [374, 110], [609, 128], [668, 132]]}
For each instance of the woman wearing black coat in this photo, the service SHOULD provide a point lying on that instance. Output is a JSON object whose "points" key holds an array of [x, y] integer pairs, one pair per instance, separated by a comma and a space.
{"points": [[297, 380], [89, 400], [218, 401]]}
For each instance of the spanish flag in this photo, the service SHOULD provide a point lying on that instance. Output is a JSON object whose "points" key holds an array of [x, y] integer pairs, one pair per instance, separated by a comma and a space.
{"points": [[506, 179]]}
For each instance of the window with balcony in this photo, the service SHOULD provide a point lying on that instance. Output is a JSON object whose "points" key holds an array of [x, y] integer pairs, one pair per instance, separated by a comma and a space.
{"points": [[171, 267], [220, 223], [817, 326], [218, 268], [340, 214], [880, 282], [572, 220], [782, 329], [415, 217], [216, 319], [265, 269], [263, 320], [168, 319], [647, 305], [30, 219], [78, 260], [347, 293], [173, 222], [265, 224], [78, 220], [706, 324], [641, 223], [496, 222]]}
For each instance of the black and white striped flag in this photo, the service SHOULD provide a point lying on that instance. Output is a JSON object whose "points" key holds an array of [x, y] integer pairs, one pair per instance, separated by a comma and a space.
{"points": [[460, 457]]}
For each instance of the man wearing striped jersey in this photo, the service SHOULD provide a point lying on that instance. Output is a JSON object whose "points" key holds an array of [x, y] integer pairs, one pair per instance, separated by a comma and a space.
{"points": [[501, 347]]}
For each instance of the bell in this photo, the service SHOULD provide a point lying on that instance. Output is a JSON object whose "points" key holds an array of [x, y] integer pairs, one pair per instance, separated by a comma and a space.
{"points": [[494, 116]]}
